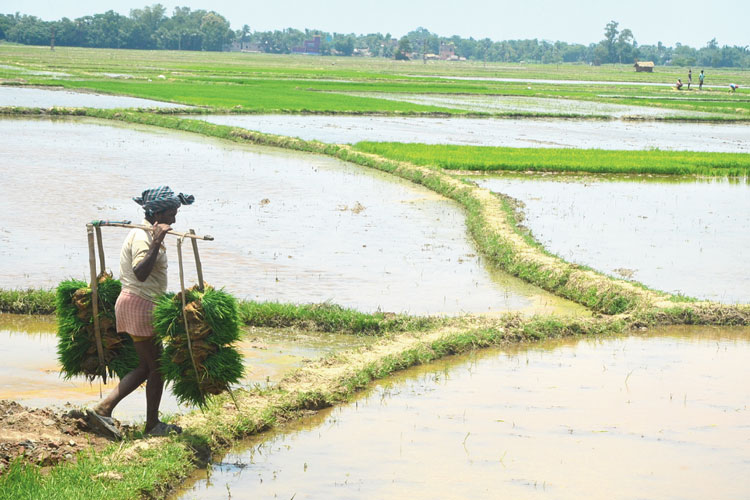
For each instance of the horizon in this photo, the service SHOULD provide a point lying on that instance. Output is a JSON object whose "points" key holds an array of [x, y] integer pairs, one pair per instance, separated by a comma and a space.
{"points": [[687, 22]]}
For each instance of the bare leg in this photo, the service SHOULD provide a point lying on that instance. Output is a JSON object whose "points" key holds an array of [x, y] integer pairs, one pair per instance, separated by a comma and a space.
{"points": [[154, 382], [147, 371]]}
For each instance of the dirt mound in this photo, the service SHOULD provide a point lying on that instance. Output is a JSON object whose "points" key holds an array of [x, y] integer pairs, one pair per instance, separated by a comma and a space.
{"points": [[43, 436]]}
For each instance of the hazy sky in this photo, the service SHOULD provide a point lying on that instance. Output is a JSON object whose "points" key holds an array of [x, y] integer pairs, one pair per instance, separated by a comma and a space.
{"points": [[690, 22]]}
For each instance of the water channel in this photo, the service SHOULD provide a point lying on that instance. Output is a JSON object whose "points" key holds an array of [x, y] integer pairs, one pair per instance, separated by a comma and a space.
{"points": [[520, 133], [289, 227], [683, 236], [660, 415]]}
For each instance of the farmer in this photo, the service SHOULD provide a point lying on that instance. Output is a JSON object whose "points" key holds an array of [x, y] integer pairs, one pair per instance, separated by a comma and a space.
{"points": [[690, 77], [678, 85], [700, 80], [143, 273], [734, 87]]}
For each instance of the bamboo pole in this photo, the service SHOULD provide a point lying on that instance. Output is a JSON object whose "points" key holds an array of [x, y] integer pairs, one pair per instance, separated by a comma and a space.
{"points": [[184, 316], [192, 235], [100, 244], [95, 300], [198, 266]]}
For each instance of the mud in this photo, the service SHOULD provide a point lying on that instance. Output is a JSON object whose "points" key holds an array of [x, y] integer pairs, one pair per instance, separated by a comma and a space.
{"points": [[681, 237], [288, 227], [532, 133], [31, 97], [43, 436], [661, 415]]}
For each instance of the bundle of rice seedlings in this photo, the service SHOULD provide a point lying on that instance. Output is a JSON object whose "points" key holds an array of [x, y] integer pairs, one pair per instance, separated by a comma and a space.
{"points": [[214, 327], [76, 342]]}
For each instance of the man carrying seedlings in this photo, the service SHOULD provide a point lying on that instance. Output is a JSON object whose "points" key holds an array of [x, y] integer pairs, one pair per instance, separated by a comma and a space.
{"points": [[143, 273]]}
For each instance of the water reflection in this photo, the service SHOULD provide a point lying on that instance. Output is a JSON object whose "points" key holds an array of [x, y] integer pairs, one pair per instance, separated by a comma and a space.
{"points": [[658, 416], [30, 373]]}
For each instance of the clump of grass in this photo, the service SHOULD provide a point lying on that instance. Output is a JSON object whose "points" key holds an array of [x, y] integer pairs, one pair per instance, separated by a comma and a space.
{"points": [[329, 318], [76, 342], [27, 301], [209, 363]]}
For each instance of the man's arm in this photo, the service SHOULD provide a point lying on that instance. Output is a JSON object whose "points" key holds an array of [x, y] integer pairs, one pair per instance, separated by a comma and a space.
{"points": [[143, 269]]}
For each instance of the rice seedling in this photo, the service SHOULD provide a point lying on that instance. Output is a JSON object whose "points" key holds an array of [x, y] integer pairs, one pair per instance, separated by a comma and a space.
{"points": [[486, 158], [76, 344], [207, 362]]}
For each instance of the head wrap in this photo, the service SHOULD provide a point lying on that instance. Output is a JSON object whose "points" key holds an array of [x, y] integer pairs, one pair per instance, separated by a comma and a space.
{"points": [[162, 198]]}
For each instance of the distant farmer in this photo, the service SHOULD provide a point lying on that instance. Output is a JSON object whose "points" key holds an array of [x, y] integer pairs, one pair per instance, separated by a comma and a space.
{"points": [[143, 273], [690, 77], [700, 80], [734, 87], [678, 85]]}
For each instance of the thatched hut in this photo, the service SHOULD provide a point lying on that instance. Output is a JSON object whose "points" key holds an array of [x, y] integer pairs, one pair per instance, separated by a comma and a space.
{"points": [[647, 66]]}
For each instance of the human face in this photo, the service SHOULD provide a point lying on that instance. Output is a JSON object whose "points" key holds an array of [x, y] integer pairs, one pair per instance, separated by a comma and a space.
{"points": [[166, 216]]}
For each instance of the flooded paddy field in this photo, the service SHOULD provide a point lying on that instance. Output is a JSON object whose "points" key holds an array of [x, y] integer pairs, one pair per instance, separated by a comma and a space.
{"points": [[662, 415], [683, 236], [289, 227], [531, 133], [30, 374], [523, 104], [34, 97]]}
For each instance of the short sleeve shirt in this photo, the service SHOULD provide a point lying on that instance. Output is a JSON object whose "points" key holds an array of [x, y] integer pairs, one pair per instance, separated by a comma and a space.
{"points": [[134, 250]]}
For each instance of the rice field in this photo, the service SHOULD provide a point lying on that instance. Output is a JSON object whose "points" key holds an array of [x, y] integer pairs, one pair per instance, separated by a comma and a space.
{"points": [[259, 83], [483, 158], [270, 83]]}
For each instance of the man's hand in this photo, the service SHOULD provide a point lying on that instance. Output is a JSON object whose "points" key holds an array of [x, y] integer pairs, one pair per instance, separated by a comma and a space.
{"points": [[160, 231]]}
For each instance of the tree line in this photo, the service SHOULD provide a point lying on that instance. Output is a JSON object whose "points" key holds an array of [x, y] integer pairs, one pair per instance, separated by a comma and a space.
{"points": [[151, 28]]}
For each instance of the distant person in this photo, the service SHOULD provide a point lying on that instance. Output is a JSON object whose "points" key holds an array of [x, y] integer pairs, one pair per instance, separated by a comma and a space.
{"points": [[690, 77], [678, 85], [734, 87], [700, 80]]}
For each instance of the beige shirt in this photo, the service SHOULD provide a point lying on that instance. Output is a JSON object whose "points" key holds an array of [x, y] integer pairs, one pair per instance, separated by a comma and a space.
{"points": [[134, 250]]}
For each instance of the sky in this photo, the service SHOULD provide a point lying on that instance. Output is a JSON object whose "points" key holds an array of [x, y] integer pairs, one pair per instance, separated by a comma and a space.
{"points": [[690, 22]]}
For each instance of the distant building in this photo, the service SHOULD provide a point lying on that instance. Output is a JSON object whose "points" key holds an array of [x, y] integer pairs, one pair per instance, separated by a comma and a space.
{"points": [[310, 47], [647, 66], [240, 46], [448, 51]]}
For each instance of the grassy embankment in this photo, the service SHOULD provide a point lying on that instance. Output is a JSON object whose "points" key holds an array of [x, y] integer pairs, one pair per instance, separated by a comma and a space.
{"points": [[263, 83], [485, 158], [147, 468]]}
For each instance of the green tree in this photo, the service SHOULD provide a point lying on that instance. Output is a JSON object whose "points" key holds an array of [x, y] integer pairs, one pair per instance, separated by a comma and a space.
{"points": [[403, 50], [216, 32], [610, 35]]}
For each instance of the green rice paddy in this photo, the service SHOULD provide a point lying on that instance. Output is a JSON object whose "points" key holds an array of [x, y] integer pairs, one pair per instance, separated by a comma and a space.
{"points": [[265, 83], [485, 158]]}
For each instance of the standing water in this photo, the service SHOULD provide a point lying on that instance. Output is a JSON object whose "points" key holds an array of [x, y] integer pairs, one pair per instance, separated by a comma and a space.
{"points": [[659, 416], [683, 236], [288, 227]]}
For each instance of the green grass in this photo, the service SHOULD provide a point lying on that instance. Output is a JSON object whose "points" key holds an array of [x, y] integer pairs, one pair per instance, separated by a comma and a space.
{"points": [[329, 318], [485, 158], [28, 301], [265, 83], [100, 475]]}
